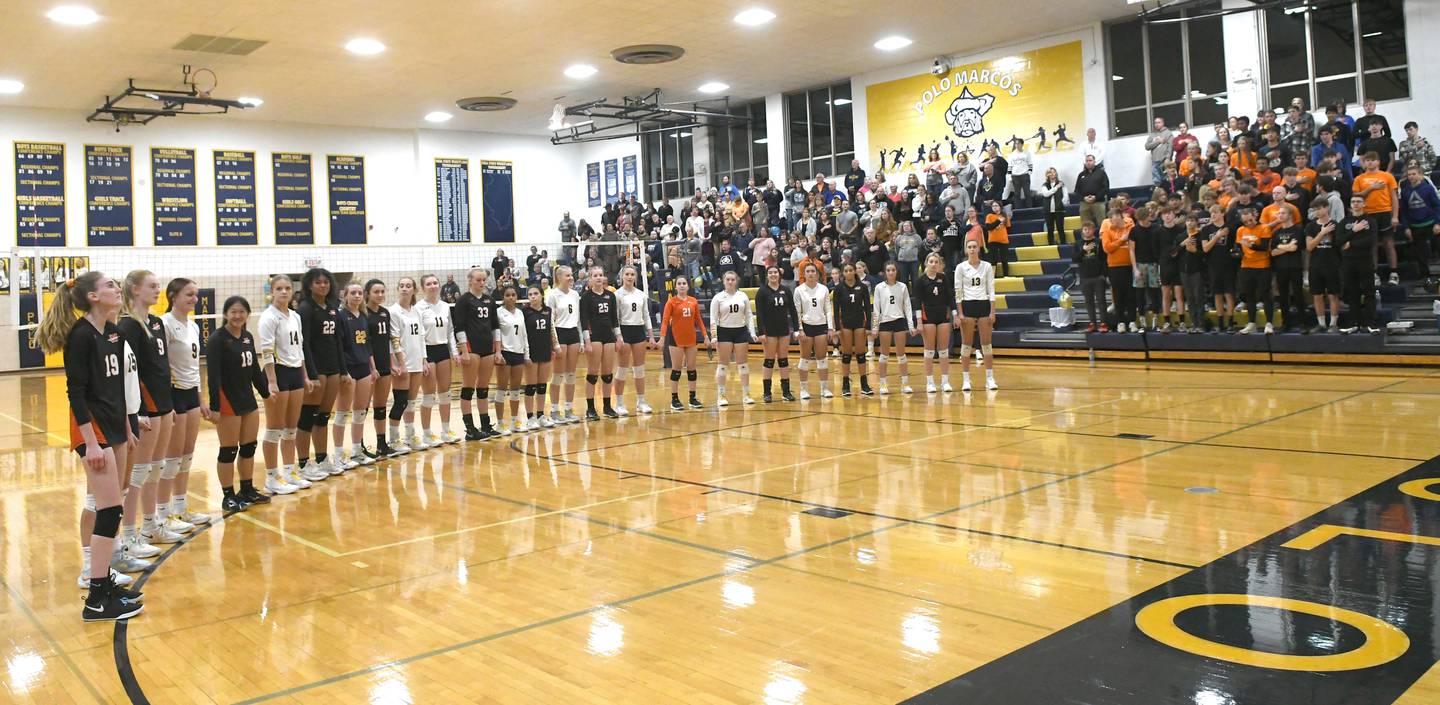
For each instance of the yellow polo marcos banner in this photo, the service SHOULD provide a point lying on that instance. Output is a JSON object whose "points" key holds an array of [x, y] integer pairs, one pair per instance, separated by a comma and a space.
{"points": [[1037, 97]]}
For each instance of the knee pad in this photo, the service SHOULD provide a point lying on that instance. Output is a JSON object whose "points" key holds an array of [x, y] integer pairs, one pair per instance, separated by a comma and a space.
{"points": [[90, 503], [358, 417], [322, 419], [427, 401], [883, 358], [342, 418], [607, 379], [140, 474], [744, 368], [900, 358], [986, 350], [443, 398], [482, 393], [185, 461], [307, 417], [943, 354], [467, 393], [380, 412], [529, 390], [272, 435], [289, 434], [783, 362], [966, 350], [592, 379], [720, 371], [860, 359], [107, 521], [804, 364], [768, 364], [621, 373], [928, 354], [170, 468], [515, 395], [247, 450], [675, 375], [227, 454], [542, 388], [691, 375], [822, 364], [846, 358], [637, 372]]}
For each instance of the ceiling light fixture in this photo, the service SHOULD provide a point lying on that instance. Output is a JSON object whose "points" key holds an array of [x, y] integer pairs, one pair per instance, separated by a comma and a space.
{"points": [[1368, 35], [364, 46], [841, 101], [580, 71], [763, 140], [250, 101], [892, 43], [10, 86], [73, 15], [1117, 77], [754, 17], [438, 116], [713, 87]]}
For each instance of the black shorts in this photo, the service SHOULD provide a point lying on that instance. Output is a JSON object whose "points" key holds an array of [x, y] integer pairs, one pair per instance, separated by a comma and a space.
{"points": [[289, 379], [896, 326], [185, 400], [852, 325], [975, 309], [1325, 280], [1222, 280], [134, 424], [541, 355], [567, 336], [780, 332], [934, 317], [155, 399], [732, 335], [358, 372], [602, 335], [437, 354], [326, 364], [814, 330], [1385, 231], [1170, 275], [382, 364], [633, 334], [513, 359]]}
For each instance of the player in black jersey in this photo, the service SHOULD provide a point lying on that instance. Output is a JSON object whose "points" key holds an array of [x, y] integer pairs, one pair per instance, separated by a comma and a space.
{"points": [[936, 296], [145, 334], [851, 299], [388, 359], [777, 320], [99, 433], [474, 319], [540, 332], [320, 317], [233, 368], [354, 398], [599, 329]]}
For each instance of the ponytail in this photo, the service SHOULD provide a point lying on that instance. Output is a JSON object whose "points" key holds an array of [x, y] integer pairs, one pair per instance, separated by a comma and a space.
{"points": [[71, 300]]}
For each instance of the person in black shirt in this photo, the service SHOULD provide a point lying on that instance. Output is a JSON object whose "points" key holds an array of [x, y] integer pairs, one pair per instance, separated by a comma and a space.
{"points": [[1288, 265], [475, 325], [1356, 242], [450, 291], [1321, 235], [500, 265], [727, 260], [1218, 241], [1363, 123], [1147, 238], [777, 321], [851, 301], [1378, 140], [1168, 235], [599, 329], [540, 339], [1191, 259], [144, 332], [320, 318], [952, 238], [935, 295], [354, 399], [1089, 257], [233, 369], [387, 357]]}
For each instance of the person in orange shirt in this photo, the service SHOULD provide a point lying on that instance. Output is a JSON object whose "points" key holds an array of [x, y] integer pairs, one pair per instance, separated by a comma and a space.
{"points": [[1265, 179], [1254, 279], [1382, 204], [997, 240], [1303, 173], [682, 320], [974, 228], [1242, 158], [1193, 162], [1270, 215], [1115, 240]]}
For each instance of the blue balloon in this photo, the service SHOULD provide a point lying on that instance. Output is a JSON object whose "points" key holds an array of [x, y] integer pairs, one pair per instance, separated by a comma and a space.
{"points": [[1055, 291]]}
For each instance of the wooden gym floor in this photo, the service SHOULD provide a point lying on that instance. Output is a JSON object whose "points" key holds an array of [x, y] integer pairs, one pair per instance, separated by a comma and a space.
{"points": [[992, 548]]}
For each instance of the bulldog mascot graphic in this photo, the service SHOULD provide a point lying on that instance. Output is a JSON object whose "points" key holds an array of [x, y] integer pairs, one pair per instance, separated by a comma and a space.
{"points": [[966, 115]]}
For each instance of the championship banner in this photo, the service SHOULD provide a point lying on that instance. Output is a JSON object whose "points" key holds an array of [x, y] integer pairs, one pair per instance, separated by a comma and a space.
{"points": [[1036, 97], [592, 184], [347, 199], [294, 199], [39, 194], [172, 190], [612, 180], [452, 200], [497, 194], [631, 179], [235, 198], [109, 196]]}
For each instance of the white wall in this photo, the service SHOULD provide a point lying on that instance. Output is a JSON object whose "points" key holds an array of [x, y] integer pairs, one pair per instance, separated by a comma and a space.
{"points": [[578, 203]]}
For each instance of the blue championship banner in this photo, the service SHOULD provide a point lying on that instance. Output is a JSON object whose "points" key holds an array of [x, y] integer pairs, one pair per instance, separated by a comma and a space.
{"points": [[592, 184], [612, 180], [294, 199], [39, 194], [497, 190], [452, 200], [347, 199], [109, 196], [172, 190], [630, 177], [235, 198]]}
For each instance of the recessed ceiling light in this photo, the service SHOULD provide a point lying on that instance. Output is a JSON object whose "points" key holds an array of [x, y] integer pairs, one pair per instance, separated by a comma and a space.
{"points": [[754, 17], [10, 86], [580, 71], [713, 87], [73, 15], [364, 46], [252, 102], [437, 116], [892, 43]]}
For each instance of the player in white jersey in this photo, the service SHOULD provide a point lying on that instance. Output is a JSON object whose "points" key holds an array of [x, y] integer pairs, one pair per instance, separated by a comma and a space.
{"points": [[637, 334], [975, 279], [564, 304], [410, 381], [440, 350], [121, 558], [734, 324], [282, 356], [817, 325], [510, 367], [892, 325], [182, 342]]}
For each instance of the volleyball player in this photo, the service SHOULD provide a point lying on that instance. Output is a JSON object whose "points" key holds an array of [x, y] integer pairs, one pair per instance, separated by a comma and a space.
{"points": [[564, 304], [182, 345], [540, 334], [851, 300], [440, 350], [891, 325], [474, 317], [637, 334], [121, 560], [678, 326], [778, 323], [232, 369], [937, 315], [360, 366], [145, 334], [730, 315], [514, 347], [812, 305], [320, 334], [976, 281], [95, 387], [386, 357], [599, 329], [409, 383], [282, 357]]}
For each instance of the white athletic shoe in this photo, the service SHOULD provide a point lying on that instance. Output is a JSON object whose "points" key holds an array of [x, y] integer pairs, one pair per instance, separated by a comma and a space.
{"points": [[432, 440], [643, 408], [332, 467], [965, 385], [826, 393], [570, 417], [451, 438], [120, 579], [125, 562], [749, 400], [908, 389], [520, 425], [990, 384], [417, 443], [140, 549], [314, 473], [534, 424], [1269, 329], [722, 401], [195, 518], [930, 386], [361, 458], [502, 427], [161, 535], [621, 410], [1248, 329], [275, 484], [947, 388], [178, 525], [293, 477], [884, 389], [546, 421]]}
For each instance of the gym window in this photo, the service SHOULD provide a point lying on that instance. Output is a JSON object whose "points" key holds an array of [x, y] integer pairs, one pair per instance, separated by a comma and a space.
{"points": [[740, 150], [1332, 51], [822, 130], [1173, 70], [669, 156]]}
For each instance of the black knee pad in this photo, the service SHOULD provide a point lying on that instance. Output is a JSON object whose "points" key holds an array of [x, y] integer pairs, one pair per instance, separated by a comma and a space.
{"points": [[860, 358], [592, 379], [397, 410], [769, 363], [847, 358], [541, 388], [322, 419], [307, 417], [674, 375], [607, 379], [380, 412], [247, 450], [692, 375], [227, 454], [467, 393], [482, 392], [783, 362], [107, 521], [529, 390]]}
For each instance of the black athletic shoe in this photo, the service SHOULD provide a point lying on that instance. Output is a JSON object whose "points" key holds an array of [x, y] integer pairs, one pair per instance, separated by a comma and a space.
{"points": [[473, 434], [610, 412], [845, 387], [254, 496], [234, 503], [695, 402], [786, 395], [865, 387], [675, 404], [384, 450], [590, 415], [767, 398], [105, 603]]}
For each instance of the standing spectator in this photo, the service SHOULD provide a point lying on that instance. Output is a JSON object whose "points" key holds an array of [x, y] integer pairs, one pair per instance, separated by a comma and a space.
{"points": [[1339, 124], [1254, 279], [567, 228], [1288, 265], [665, 210], [1420, 215], [773, 199], [751, 194], [500, 264], [727, 189], [1356, 242], [1329, 144], [1382, 205], [1115, 239], [1093, 147], [1321, 236], [873, 252], [1146, 246], [951, 233], [760, 213], [1020, 175], [931, 244], [1274, 152], [1327, 192], [762, 248], [1000, 168], [795, 198], [1298, 132], [1052, 193], [965, 174], [1379, 143], [1265, 124], [1182, 141], [955, 195], [847, 224], [1192, 272], [1362, 125], [1093, 188], [992, 188], [934, 173], [1160, 145], [532, 258], [1416, 150], [691, 250], [450, 291], [997, 239], [906, 247], [855, 178], [1090, 258]]}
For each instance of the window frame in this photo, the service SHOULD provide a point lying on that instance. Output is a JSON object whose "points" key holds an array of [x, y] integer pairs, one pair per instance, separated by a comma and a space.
{"points": [[1357, 71], [683, 183], [1190, 97], [805, 168], [758, 155]]}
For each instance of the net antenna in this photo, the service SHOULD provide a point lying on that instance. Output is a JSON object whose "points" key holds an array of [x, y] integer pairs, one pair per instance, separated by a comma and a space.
{"points": [[137, 105]]}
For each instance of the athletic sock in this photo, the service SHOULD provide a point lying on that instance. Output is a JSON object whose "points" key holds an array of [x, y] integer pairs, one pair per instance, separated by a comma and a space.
{"points": [[590, 403], [247, 487], [469, 420], [765, 384], [228, 491]]}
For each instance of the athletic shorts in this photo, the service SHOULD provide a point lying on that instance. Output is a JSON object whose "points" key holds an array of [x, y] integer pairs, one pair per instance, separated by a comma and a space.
{"points": [[289, 379], [567, 336], [358, 372], [105, 434], [633, 334], [185, 400], [602, 335], [382, 364], [1325, 281], [513, 359], [732, 335], [134, 424], [1222, 280], [814, 330], [437, 354], [896, 326], [541, 355], [975, 308], [1170, 275], [934, 316], [1146, 276], [1385, 230]]}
